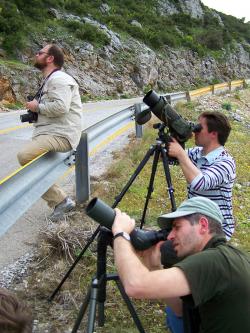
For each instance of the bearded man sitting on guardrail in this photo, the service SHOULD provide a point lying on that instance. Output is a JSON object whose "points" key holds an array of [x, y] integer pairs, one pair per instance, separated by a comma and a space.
{"points": [[55, 113]]}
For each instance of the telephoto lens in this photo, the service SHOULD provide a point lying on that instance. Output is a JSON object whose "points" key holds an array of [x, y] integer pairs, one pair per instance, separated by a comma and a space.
{"points": [[105, 215]]}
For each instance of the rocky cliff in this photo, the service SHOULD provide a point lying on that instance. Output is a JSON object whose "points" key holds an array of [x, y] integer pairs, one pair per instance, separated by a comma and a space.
{"points": [[126, 67]]}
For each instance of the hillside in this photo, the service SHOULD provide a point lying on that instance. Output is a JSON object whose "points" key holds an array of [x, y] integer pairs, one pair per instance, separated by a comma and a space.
{"points": [[119, 49]]}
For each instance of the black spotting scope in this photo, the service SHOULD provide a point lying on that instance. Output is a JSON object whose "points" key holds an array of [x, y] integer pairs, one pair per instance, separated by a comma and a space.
{"points": [[105, 215], [179, 128]]}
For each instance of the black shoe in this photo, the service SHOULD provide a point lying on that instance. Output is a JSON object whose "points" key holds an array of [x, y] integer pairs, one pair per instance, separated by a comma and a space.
{"points": [[63, 207]]}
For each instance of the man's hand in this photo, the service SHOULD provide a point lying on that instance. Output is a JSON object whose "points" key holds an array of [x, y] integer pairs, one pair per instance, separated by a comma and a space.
{"points": [[32, 106], [152, 257], [175, 149], [122, 222], [190, 171]]}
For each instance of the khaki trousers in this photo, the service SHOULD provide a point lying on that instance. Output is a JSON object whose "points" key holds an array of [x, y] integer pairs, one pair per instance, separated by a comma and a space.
{"points": [[38, 146]]}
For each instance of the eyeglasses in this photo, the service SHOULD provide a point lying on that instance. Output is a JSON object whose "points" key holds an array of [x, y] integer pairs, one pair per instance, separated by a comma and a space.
{"points": [[41, 52]]}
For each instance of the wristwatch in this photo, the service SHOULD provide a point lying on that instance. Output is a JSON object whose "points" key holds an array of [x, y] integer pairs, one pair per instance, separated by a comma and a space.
{"points": [[122, 234]]}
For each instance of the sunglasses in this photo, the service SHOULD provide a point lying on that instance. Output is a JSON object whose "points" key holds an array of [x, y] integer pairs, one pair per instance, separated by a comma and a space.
{"points": [[41, 52]]}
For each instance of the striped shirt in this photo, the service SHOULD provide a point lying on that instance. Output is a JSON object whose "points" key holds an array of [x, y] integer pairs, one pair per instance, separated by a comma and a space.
{"points": [[215, 181]]}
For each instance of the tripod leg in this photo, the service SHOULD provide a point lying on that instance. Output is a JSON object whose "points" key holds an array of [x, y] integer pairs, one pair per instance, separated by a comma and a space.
{"points": [[168, 177], [101, 314], [101, 297], [130, 306], [82, 311], [150, 186], [104, 239], [92, 307], [90, 299], [132, 178], [74, 264]]}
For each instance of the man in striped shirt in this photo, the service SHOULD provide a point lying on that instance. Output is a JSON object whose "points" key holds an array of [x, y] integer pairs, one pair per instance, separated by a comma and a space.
{"points": [[208, 168]]}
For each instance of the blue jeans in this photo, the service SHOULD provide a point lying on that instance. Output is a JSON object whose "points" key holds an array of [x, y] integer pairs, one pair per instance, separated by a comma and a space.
{"points": [[173, 322]]}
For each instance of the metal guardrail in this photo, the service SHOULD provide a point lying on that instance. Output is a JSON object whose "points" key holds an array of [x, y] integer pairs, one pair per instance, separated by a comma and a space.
{"points": [[220, 86], [216, 88], [91, 137], [209, 90], [237, 83], [201, 91], [26, 186], [23, 188], [176, 96]]}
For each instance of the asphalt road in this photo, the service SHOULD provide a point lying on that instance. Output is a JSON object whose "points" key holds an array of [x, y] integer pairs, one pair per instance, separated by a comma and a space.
{"points": [[13, 133], [22, 236]]}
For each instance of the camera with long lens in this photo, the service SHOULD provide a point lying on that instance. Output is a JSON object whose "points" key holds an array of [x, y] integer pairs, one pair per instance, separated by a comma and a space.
{"points": [[179, 128], [30, 116], [140, 239]]}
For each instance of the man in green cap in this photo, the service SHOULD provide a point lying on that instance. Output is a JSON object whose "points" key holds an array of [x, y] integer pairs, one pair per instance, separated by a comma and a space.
{"points": [[216, 274]]}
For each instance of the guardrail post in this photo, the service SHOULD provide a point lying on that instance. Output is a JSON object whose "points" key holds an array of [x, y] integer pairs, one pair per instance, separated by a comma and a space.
{"points": [[168, 98], [213, 89], [188, 96], [82, 170], [230, 86], [138, 128]]}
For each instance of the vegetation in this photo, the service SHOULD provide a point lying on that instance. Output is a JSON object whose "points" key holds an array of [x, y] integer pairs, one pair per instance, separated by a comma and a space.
{"points": [[60, 243], [85, 31], [19, 19], [226, 106]]}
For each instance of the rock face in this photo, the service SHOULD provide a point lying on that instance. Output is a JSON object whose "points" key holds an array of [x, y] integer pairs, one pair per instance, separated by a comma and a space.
{"points": [[6, 92], [190, 7], [127, 67], [17, 83]]}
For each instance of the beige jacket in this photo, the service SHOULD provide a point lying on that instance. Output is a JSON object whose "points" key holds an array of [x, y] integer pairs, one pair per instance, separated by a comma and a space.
{"points": [[60, 109]]}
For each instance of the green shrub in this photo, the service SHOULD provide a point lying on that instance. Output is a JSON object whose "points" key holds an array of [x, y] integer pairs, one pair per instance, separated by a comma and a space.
{"points": [[87, 32], [235, 27], [14, 106], [86, 98], [12, 27], [237, 96], [147, 87], [226, 106], [214, 81], [212, 39]]}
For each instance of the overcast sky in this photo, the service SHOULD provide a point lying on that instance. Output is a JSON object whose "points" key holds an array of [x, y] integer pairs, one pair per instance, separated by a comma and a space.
{"points": [[237, 8]]}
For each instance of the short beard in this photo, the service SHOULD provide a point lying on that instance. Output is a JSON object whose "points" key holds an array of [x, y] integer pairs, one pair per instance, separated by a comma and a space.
{"points": [[39, 65]]}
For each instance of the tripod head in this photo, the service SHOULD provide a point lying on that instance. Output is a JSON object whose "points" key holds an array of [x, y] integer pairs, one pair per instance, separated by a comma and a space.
{"points": [[164, 138]]}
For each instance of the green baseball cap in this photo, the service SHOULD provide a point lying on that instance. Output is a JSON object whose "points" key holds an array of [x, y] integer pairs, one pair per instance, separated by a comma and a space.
{"points": [[194, 205]]}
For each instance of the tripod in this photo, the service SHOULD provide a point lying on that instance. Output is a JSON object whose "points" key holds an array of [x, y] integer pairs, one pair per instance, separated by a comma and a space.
{"points": [[96, 294], [98, 286]]}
